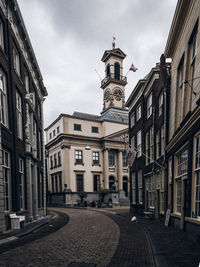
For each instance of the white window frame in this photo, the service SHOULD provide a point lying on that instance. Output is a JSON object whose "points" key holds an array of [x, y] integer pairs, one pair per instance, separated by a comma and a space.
{"points": [[132, 119], [16, 60], [3, 100], [26, 81], [181, 169], [140, 187], [160, 103], [149, 105], [138, 112], [19, 115], [197, 177], [6, 167], [1, 34], [21, 184], [139, 143]]}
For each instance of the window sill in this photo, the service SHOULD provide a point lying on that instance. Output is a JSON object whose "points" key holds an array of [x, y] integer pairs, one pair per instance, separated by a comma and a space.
{"points": [[193, 220], [79, 164]]}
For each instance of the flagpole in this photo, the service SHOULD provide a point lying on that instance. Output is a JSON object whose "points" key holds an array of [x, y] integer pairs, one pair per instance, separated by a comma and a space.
{"points": [[127, 72], [147, 156]]}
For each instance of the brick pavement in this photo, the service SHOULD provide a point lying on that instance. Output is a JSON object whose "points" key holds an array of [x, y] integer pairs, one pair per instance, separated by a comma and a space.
{"points": [[134, 248], [89, 237]]}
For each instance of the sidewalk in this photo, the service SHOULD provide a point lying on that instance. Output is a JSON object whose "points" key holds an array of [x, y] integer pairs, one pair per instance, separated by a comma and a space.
{"points": [[171, 247], [28, 228]]}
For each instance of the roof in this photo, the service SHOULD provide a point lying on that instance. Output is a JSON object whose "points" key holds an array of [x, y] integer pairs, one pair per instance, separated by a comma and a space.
{"points": [[86, 115], [114, 52]]}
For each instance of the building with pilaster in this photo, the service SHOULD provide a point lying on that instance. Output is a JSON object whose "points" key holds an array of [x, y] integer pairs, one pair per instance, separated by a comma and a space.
{"points": [[86, 152], [183, 147], [22, 92]]}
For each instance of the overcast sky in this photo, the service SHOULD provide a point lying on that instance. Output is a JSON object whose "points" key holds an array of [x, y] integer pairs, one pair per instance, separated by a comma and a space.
{"points": [[69, 38]]}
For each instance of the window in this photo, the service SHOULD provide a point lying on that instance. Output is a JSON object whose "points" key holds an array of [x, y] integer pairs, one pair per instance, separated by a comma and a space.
{"points": [[133, 142], [16, 61], [117, 70], [21, 184], [1, 35], [180, 93], [111, 159], [124, 159], [149, 146], [40, 146], [139, 143], [56, 182], [96, 183], [54, 133], [133, 188], [78, 157], [132, 119], [140, 187], [191, 62], [34, 135], [108, 70], [149, 105], [181, 172], [59, 159], [19, 115], [51, 162], [95, 157], [160, 142], [77, 127], [160, 104], [197, 177], [3, 100], [150, 189], [55, 160], [79, 182], [178, 195], [138, 112], [50, 135], [40, 190], [26, 81], [95, 129], [6, 179], [39, 110], [58, 130]]}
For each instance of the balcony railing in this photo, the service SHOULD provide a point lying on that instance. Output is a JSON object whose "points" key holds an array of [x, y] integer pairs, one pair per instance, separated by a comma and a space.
{"points": [[114, 77]]}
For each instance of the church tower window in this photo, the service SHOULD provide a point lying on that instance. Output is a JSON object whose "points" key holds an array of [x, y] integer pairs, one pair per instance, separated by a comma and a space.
{"points": [[117, 71]]}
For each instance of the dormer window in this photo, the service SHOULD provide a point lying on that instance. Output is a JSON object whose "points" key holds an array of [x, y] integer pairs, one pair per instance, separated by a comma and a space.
{"points": [[117, 71], [108, 70]]}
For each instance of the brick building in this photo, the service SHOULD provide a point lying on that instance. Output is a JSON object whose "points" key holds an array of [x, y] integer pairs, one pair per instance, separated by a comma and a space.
{"points": [[22, 92]]}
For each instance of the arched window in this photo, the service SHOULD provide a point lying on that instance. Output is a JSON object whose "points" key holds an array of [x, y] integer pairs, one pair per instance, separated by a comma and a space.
{"points": [[108, 70], [117, 71]]}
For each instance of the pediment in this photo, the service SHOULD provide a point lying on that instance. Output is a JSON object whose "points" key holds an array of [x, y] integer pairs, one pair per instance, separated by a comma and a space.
{"points": [[114, 52], [118, 136]]}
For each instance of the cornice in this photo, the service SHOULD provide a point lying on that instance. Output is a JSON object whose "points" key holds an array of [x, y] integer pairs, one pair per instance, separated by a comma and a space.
{"points": [[181, 14], [191, 121]]}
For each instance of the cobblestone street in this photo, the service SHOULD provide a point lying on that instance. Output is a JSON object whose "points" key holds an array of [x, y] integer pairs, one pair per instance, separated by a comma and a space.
{"points": [[90, 236]]}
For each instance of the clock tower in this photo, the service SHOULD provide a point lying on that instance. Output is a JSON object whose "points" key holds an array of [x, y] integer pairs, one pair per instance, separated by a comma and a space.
{"points": [[113, 84]]}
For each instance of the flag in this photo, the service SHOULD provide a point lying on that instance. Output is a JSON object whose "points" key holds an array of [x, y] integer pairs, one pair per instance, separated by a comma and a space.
{"points": [[131, 154], [133, 68]]}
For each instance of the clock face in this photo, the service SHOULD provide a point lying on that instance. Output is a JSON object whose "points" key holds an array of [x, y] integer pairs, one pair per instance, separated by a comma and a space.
{"points": [[107, 96], [118, 94]]}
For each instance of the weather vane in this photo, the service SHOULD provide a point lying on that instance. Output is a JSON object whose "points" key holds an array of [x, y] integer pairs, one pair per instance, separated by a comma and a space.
{"points": [[113, 42]]}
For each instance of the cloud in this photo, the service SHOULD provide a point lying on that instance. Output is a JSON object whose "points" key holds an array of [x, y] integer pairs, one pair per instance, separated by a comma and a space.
{"points": [[69, 38]]}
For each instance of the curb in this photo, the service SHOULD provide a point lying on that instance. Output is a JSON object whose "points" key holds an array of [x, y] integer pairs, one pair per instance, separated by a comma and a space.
{"points": [[159, 255]]}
